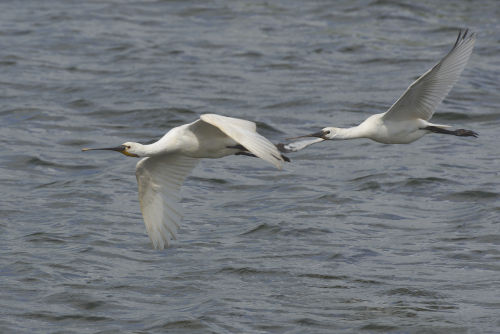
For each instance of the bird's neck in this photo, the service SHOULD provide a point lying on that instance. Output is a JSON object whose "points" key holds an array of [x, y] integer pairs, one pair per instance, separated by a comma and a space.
{"points": [[169, 143], [350, 133], [156, 148], [150, 150]]}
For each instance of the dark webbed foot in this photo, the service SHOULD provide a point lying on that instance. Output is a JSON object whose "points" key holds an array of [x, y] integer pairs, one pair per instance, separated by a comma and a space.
{"points": [[466, 133]]}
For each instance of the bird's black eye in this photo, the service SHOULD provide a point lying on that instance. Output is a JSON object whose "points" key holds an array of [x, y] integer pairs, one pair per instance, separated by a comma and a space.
{"points": [[128, 147], [327, 132]]}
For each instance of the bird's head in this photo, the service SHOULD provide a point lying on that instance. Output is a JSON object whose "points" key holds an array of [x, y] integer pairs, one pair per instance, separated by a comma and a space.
{"points": [[325, 133], [130, 149]]}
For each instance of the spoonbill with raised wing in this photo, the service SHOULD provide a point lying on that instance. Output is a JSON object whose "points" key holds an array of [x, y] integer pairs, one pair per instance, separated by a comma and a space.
{"points": [[408, 118], [167, 162]]}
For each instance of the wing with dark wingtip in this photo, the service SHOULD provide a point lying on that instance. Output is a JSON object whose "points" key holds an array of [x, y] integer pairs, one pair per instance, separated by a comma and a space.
{"points": [[424, 95], [244, 133]]}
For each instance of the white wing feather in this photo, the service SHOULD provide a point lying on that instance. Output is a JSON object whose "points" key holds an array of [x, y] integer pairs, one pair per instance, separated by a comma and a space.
{"points": [[424, 95], [159, 180], [244, 133]]}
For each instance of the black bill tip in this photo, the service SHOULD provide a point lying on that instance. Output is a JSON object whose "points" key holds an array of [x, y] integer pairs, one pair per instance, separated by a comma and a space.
{"points": [[120, 148], [319, 134]]}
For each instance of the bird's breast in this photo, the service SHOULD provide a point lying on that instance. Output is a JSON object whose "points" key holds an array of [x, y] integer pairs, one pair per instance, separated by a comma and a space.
{"points": [[397, 132]]}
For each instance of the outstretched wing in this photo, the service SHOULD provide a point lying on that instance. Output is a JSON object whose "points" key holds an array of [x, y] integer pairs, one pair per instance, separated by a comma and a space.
{"points": [[424, 95], [159, 180], [244, 133]]}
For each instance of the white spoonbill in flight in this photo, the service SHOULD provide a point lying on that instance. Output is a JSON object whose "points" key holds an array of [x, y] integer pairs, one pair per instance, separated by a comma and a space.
{"points": [[167, 162], [408, 118]]}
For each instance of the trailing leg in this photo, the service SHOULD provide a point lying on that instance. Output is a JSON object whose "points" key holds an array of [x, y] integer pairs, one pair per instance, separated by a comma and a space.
{"points": [[248, 154], [458, 132], [244, 151]]}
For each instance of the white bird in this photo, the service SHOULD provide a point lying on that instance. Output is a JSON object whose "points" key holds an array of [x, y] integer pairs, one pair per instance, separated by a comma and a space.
{"points": [[408, 118], [167, 162]]}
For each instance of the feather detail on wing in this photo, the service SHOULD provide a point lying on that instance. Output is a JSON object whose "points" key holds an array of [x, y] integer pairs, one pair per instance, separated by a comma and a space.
{"points": [[424, 95], [159, 180], [244, 133]]}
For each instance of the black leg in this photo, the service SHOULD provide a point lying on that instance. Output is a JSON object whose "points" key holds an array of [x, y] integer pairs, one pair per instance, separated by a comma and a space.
{"points": [[244, 151], [238, 147], [248, 154], [458, 132]]}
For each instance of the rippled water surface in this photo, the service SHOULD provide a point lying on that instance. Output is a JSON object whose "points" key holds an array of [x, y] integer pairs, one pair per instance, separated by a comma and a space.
{"points": [[351, 237]]}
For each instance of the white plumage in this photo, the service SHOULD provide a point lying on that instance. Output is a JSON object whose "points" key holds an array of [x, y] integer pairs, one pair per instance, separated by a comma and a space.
{"points": [[408, 118], [159, 180], [167, 162]]}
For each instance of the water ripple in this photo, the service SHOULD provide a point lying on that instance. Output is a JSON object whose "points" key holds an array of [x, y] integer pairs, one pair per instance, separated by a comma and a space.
{"points": [[352, 236]]}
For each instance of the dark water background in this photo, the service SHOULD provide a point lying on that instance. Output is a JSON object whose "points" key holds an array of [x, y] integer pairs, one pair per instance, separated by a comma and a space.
{"points": [[352, 237]]}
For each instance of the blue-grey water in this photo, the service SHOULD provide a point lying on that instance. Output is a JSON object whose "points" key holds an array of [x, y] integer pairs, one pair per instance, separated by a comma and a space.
{"points": [[351, 237]]}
